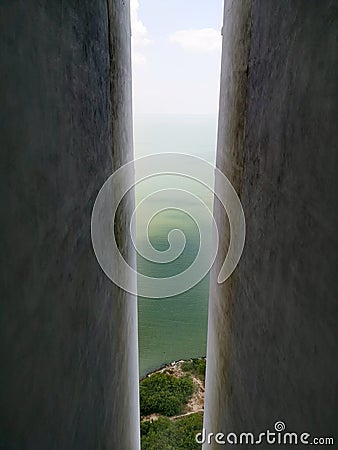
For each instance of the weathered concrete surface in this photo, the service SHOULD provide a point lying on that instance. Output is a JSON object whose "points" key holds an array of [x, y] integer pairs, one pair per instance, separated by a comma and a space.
{"points": [[231, 125], [68, 341], [273, 326]]}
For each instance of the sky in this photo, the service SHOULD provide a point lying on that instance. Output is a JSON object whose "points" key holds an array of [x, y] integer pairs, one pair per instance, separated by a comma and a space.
{"points": [[176, 52]]}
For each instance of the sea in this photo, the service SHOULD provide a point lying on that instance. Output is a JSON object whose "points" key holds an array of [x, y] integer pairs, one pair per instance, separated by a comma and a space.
{"points": [[172, 328]]}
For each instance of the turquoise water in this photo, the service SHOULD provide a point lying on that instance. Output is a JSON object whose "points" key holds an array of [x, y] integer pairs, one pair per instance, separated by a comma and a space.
{"points": [[172, 328]]}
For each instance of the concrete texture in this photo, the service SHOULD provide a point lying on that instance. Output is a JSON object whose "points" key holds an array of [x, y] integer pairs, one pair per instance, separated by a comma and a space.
{"points": [[273, 326], [68, 336], [231, 124]]}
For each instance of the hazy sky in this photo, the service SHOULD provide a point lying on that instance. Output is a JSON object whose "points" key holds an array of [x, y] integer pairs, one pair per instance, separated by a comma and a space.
{"points": [[176, 48]]}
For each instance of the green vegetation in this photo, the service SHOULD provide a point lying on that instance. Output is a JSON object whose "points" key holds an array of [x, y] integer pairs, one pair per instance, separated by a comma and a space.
{"points": [[166, 393], [165, 434], [196, 367], [162, 393]]}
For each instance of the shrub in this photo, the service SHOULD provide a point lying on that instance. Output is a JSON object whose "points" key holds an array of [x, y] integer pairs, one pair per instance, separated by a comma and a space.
{"points": [[165, 394], [167, 435], [196, 367]]}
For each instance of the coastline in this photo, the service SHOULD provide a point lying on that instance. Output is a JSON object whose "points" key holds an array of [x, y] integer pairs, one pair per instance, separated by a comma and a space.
{"points": [[179, 369], [164, 366]]}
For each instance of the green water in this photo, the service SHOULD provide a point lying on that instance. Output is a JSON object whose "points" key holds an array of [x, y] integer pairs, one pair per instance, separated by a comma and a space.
{"points": [[172, 328]]}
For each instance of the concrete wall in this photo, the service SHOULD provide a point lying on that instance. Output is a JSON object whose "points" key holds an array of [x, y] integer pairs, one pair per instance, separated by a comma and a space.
{"points": [[272, 326], [68, 341]]}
